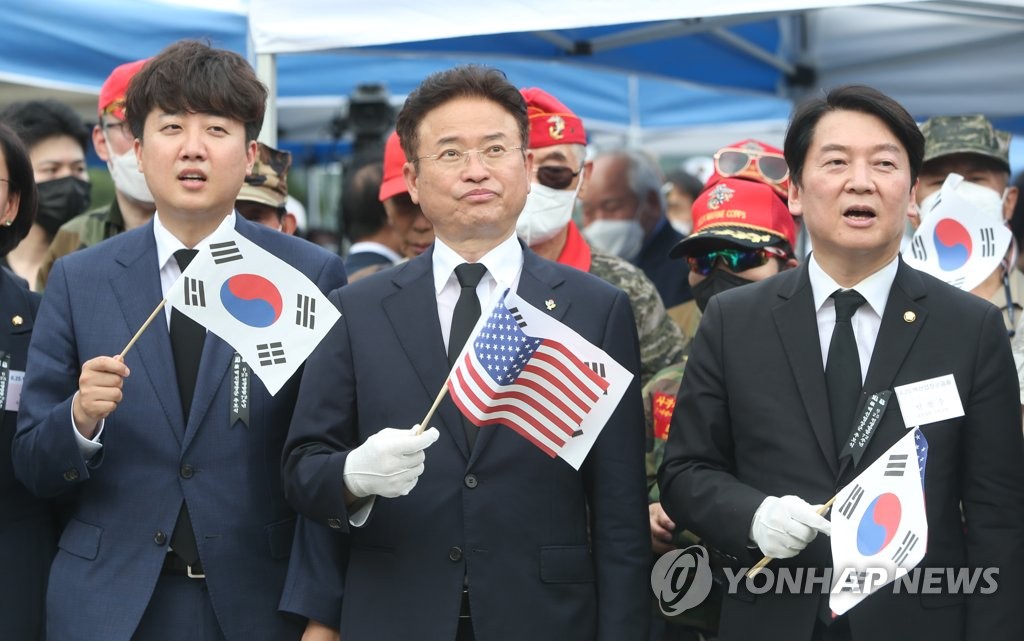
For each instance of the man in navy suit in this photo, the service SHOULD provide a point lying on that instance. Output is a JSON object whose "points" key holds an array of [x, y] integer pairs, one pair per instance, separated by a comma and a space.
{"points": [[460, 532], [178, 524], [758, 438]]}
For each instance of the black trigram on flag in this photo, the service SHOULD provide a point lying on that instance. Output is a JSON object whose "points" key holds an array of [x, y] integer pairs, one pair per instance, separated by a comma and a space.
{"points": [[598, 368], [909, 541], [225, 252], [896, 465], [918, 249], [517, 315], [195, 292], [988, 241], [270, 353], [305, 311], [849, 506]]}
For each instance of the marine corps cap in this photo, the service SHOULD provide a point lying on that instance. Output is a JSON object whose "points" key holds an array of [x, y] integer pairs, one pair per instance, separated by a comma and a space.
{"points": [[947, 135], [737, 211], [551, 122], [393, 182]]}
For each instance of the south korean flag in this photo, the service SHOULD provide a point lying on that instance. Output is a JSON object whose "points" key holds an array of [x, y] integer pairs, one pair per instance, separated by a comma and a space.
{"points": [[263, 307], [962, 237]]}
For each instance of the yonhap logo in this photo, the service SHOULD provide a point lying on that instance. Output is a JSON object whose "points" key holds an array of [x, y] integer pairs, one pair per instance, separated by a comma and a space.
{"points": [[681, 579]]}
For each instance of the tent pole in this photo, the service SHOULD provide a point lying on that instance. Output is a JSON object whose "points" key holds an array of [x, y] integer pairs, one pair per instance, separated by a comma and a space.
{"points": [[266, 71]]}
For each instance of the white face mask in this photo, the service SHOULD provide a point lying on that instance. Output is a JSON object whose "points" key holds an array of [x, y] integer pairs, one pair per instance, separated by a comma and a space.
{"points": [[987, 203], [547, 212], [622, 238], [124, 170]]}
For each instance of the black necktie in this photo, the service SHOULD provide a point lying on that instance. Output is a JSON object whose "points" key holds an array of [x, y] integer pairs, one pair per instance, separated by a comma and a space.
{"points": [[842, 369], [187, 337], [464, 318]]}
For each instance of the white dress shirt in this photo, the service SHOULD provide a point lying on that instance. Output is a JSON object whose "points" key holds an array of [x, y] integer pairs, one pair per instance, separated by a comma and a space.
{"points": [[866, 321]]}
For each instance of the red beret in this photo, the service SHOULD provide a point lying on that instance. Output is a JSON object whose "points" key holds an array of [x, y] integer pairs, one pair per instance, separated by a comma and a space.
{"points": [[551, 122], [115, 86]]}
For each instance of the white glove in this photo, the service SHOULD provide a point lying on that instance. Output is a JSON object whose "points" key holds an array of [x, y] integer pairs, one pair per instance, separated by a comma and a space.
{"points": [[782, 527], [389, 463]]}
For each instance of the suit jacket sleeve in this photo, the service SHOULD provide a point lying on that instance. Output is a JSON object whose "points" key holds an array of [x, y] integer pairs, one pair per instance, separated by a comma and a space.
{"points": [[614, 474], [697, 478], [992, 481], [323, 430], [46, 455]]}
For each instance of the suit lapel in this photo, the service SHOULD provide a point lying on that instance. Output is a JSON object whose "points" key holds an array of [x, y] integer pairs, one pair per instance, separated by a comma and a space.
{"points": [[138, 292], [903, 319], [412, 312], [796, 322]]}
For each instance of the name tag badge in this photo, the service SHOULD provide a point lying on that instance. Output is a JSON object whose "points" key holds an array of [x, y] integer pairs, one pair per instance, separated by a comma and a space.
{"points": [[241, 386], [865, 427], [5, 368], [929, 401]]}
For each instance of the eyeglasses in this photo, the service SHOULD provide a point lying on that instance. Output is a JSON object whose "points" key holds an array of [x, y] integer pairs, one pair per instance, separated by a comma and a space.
{"points": [[492, 156], [555, 176], [737, 260], [122, 127], [771, 166]]}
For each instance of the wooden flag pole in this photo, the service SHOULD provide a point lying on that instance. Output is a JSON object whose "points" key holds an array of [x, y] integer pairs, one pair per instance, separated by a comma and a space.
{"points": [[142, 329], [433, 408], [754, 571]]}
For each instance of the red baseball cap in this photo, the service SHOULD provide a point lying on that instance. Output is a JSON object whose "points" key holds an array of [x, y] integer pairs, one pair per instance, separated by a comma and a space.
{"points": [[114, 88], [551, 122], [735, 211], [393, 182], [743, 159]]}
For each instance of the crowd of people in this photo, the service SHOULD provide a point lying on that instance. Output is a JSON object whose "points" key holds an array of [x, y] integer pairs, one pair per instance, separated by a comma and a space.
{"points": [[141, 504]]}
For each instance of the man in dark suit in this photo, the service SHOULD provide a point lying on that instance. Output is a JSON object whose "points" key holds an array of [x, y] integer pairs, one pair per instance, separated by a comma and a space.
{"points": [[757, 438], [178, 523], [460, 532]]}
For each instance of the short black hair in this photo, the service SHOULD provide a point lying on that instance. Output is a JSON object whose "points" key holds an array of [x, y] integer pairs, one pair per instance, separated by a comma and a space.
{"points": [[685, 182], [860, 98], [465, 81], [192, 77], [362, 212], [37, 120], [21, 181]]}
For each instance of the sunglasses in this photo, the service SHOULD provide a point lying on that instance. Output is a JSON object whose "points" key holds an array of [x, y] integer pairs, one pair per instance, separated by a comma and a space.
{"points": [[556, 177], [737, 260], [772, 167]]}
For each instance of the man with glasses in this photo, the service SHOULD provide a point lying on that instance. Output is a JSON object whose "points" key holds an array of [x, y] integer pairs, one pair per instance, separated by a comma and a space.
{"points": [[470, 532], [558, 143], [133, 203], [624, 215]]}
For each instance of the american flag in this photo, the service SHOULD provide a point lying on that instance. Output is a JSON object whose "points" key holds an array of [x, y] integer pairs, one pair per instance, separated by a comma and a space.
{"points": [[531, 381]]}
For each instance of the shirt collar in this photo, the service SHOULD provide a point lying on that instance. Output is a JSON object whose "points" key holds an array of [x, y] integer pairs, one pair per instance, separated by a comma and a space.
{"points": [[503, 262], [875, 288], [167, 243]]}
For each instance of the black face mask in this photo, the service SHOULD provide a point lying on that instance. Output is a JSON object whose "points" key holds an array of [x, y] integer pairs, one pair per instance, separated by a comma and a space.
{"points": [[61, 200], [716, 282]]}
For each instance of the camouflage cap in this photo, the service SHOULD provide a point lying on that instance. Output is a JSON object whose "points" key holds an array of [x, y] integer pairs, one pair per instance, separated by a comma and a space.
{"points": [[947, 135], [267, 184]]}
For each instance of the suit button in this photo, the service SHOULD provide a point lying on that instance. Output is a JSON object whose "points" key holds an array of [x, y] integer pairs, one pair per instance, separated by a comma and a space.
{"points": [[159, 538], [71, 475], [187, 471], [455, 554], [334, 523], [471, 481]]}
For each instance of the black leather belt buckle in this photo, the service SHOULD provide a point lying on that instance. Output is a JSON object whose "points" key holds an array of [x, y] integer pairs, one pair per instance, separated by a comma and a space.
{"points": [[464, 607]]}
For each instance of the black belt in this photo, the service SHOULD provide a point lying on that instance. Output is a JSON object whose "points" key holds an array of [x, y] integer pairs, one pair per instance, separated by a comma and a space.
{"points": [[464, 607], [174, 565]]}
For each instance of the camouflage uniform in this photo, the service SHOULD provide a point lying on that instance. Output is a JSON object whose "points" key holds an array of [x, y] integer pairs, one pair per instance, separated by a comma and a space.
{"points": [[947, 135], [84, 230], [661, 341]]}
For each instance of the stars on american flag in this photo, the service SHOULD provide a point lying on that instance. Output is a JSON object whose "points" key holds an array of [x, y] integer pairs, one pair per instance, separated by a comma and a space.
{"points": [[503, 348]]}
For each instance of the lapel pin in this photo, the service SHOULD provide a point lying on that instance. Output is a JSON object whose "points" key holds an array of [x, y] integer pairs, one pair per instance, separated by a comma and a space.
{"points": [[909, 317], [550, 304], [17, 320]]}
